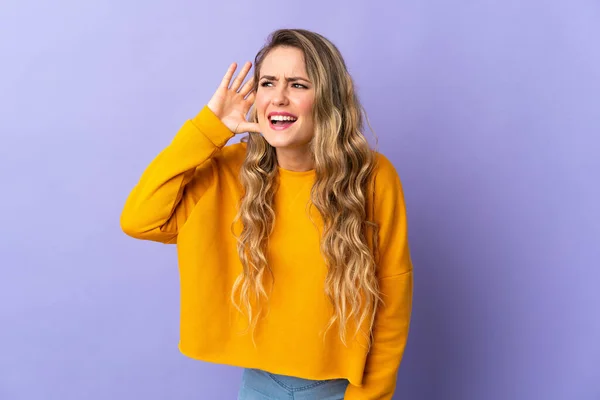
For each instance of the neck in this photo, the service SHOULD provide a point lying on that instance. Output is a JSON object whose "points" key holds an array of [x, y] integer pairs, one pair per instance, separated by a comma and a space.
{"points": [[298, 160]]}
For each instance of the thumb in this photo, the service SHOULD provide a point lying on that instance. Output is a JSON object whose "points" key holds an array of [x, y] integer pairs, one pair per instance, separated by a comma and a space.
{"points": [[247, 127]]}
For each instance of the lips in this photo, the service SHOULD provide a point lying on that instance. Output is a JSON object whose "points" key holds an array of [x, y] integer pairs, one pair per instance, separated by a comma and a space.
{"points": [[280, 120], [282, 113]]}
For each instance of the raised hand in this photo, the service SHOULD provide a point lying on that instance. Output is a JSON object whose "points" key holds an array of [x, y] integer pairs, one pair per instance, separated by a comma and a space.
{"points": [[231, 104]]}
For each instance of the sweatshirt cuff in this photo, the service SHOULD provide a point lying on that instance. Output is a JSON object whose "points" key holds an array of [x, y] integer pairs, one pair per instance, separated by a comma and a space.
{"points": [[212, 127]]}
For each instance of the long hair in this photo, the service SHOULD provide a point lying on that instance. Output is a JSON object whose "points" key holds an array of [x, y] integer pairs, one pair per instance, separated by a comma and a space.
{"points": [[344, 165]]}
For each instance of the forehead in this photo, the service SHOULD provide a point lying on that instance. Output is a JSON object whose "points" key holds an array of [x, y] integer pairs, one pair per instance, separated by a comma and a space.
{"points": [[287, 61]]}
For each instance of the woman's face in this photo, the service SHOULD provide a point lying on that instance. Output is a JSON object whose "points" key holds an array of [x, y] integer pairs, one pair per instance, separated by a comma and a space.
{"points": [[284, 99]]}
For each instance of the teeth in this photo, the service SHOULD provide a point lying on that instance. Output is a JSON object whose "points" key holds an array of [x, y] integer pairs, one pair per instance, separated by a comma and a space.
{"points": [[282, 118]]}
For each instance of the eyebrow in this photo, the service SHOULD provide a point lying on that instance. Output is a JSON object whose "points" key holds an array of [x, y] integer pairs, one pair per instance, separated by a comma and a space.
{"points": [[290, 79]]}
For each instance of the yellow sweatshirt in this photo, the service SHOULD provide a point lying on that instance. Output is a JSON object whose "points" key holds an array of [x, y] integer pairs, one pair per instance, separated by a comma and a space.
{"points": [[188, 195]]}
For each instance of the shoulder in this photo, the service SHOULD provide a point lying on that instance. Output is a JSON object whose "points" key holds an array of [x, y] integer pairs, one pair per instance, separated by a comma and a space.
{"points": [[385, 174], [235, 152], [230, 158], [386, 191]]}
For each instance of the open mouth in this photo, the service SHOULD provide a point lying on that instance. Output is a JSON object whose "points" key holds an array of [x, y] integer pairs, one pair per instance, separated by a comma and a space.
{"points": [[279, 122]]}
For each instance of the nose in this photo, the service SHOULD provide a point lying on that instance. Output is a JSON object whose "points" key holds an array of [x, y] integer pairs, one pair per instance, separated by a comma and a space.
{"points": [[280, 97]]}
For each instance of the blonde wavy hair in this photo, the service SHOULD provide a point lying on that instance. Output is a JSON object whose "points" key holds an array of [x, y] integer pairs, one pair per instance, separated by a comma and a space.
{"points": [[344, 165]]}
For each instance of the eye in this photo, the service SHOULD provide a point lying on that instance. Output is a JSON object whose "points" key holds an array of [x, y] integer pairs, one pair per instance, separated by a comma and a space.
{"points": [[299, 86], [266, 83]]}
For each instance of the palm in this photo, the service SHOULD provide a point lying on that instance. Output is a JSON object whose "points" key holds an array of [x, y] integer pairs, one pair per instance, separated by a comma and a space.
{"points": [[231, 104]]}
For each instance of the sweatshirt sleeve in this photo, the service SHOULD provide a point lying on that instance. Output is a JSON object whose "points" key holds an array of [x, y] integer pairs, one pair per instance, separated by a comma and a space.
{"points": [[395, 274], [172, 183]]}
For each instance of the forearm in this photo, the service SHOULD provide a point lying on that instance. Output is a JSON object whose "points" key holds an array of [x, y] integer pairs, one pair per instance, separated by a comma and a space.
{"points": [[151, 207], [390, 334]]}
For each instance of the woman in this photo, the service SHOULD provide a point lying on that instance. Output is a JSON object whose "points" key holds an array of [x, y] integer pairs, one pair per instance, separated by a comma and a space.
{"points": [[293, 254]]}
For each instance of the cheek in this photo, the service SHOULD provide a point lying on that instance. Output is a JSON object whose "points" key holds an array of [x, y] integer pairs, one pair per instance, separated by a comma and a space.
{"points": [[305, 106], [307, 109], [260, 104]]}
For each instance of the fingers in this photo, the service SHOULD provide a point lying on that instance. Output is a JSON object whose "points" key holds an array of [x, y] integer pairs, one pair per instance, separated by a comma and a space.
{"points": [[247, 88], [227, 78], [241, 76], [250, 98]]}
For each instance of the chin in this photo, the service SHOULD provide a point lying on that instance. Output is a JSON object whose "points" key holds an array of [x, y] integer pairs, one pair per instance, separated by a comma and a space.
{"points": [[278, 142], [275, 138], [288, 138]]}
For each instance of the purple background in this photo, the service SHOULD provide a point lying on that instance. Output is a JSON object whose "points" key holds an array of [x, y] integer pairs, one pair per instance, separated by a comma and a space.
{"points": [[489, 110]]}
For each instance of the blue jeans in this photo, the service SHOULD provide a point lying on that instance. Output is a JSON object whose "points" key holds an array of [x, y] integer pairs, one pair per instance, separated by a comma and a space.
{"points": [[261, 385]]}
